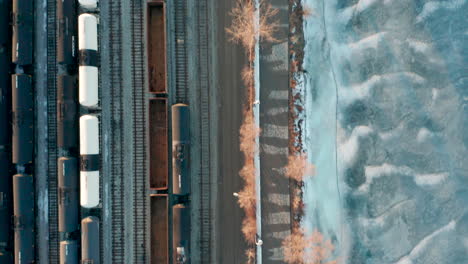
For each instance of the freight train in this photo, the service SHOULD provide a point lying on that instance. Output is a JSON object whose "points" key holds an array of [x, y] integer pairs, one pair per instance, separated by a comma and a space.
{"points": [[5, 135], [22, 156], [181, 183], [22, 120], [77, 46]]}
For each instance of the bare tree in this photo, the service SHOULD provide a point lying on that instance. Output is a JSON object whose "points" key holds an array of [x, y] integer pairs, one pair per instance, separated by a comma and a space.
{"points": [[244, 29], [313, 249], [298, 167], [249, 227], [250, 253]]}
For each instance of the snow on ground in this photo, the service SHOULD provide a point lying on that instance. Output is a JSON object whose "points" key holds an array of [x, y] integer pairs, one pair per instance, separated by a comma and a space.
{"points": [[386, 120]]}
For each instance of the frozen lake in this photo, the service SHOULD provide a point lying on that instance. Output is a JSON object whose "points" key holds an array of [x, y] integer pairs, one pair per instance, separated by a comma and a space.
{"points": [[386, 127]]}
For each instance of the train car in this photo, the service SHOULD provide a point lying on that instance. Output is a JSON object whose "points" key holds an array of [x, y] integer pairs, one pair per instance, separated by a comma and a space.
{"points": [[68, 194], [180, 234], [67, 36], [88, 60], [6, 210], [88, 4], [158, 144], [156, 47], [159, 229], [5, 78], [6, 257], [67, 112], [89, 167], [23, 119], [5, 203], [90, 240], [23, 197], [69, 252], [180, 149], [23, 39]]}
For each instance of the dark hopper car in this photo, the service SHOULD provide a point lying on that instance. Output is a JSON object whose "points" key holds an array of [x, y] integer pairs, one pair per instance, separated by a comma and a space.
{"points": [[23, 196], [5, 79], [67, 32], [23, 119], [67, 112], [5, 204], [23, 24], [68, 194]]}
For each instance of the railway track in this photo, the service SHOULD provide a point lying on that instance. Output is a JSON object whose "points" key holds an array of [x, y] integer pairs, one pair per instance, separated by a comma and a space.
{"points": [[140, 191], [204, 99], [117, 128], [52, 131], [180, 51]]}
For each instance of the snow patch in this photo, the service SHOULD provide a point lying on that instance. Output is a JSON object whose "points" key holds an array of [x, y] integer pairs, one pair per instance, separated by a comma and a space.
{"points": [[392, 133], [275, 131], [364, 4], [370, 42], [421, 179], [418, 46], [431, 7], [278, 95], [277, 110], [430, 179], [423, 135], [419, 248], [348, 149], [277, 56]]}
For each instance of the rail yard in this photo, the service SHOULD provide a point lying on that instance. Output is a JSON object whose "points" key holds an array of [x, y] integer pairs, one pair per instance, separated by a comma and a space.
{"points": [[113, 153], [119, 134]]}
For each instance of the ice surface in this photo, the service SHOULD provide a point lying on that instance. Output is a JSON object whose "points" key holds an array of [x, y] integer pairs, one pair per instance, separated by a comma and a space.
{"points": [[386, 120]]}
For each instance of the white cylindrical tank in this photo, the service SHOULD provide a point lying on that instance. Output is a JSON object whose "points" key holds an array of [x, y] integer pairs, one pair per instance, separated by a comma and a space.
{"points": [[89, 167], [88, 73], [87, 32], [88, 86], [90, 4], [89, 186], [89, 135]]}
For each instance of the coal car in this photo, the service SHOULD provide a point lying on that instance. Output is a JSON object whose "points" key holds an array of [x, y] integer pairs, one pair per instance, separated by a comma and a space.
{"points": [[23, 25], [23, 197], [23, 119]]}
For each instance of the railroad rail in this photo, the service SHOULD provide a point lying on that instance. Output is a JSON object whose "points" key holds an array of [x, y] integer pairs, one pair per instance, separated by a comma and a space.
{"points": [[117, 128], [180, 7], [139, 135], [204, 99], [52, 131]]}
